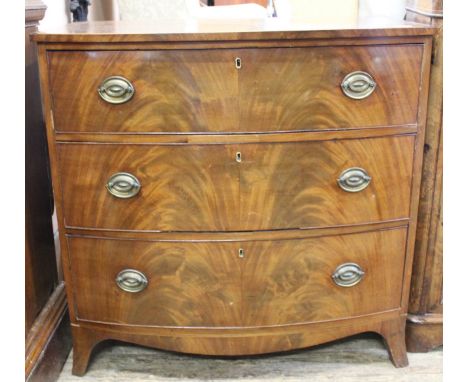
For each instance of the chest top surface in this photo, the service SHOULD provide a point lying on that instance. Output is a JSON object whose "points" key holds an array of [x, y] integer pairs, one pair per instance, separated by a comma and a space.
{"points": [[226, 30]]}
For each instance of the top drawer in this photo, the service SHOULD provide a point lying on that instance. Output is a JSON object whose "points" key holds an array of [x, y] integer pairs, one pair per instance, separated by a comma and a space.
{"points": [[234, 90]]}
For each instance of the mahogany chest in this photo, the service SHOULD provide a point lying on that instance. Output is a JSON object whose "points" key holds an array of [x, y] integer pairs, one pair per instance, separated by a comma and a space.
{"points": [[235, 189]]}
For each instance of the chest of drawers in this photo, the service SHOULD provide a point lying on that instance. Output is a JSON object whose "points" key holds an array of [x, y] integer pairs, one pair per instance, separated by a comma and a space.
{"points": [[235, 190]]}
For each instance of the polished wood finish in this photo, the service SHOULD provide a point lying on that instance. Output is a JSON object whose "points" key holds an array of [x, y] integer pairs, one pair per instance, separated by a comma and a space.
{"points": [[179, 187], [272, 137], [41, 272], [49, 332], [424, 332], [283, 185], [289, 282], [58, 349], [202, 91], [240, 236], [279, 201], [189, 33], [309, 96], [249, 341], [45, 304], [174, 91], [207, 284], [425, 324], [189, 284]]}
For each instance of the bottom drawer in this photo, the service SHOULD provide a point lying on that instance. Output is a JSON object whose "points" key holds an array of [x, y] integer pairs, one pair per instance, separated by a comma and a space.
{"points": [[208, 284]]}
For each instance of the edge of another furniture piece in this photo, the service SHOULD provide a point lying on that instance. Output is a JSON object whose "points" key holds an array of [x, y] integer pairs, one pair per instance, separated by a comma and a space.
{"points": [[48, 336], [424, 330]]}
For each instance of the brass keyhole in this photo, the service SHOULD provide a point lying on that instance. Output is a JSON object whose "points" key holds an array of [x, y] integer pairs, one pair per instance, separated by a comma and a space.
{"points": [[241, 253], [238, 157]]}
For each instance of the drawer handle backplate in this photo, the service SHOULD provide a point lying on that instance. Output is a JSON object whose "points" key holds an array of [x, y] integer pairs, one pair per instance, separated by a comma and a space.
{"points": [[123, 185], [358, 85], [348, 275], [131, 280], [116, 90], [354, 179]]}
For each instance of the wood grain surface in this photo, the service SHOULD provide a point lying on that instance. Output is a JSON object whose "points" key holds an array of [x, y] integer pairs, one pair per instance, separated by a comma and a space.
{"points": [[204, 188], [189, 284], [239, 236], [427, 277], [210, 285], [232, 138], [300, 88], [47, 340], [283, 89], [40, 260], [235, 342], [295, 185], [286, 282], [226, 30], [284, 112], [185, 188]]}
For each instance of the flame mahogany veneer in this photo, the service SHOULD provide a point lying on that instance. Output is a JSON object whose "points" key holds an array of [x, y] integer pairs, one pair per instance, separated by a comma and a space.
{"points": [[236, 135]]}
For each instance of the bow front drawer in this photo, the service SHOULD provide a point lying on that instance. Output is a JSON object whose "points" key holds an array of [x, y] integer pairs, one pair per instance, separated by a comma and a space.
{"points": [[209, 284], [236, 187], [235, 90]]}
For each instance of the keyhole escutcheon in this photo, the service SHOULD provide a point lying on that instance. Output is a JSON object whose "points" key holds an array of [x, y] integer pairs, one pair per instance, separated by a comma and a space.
{"points": [[238, 63], [238, 157]]}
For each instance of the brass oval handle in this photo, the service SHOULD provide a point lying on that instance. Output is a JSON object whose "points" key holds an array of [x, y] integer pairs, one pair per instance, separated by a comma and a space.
{"points": [[348, 275], [131, 280], [358, 85], [354, 179], [116, 90], [123, 185]]}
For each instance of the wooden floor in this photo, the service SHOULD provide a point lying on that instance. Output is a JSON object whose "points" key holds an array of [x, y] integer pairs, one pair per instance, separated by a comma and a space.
{"points": [[361, 358]]}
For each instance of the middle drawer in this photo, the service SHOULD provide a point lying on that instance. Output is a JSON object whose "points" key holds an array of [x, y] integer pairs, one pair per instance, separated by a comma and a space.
{"points": [[236, 187]]}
